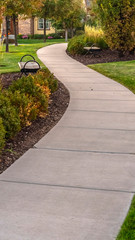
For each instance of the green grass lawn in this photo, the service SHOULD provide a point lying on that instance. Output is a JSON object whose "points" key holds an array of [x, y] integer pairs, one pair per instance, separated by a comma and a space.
{"points": [[127, 231], [122, 72], [9, 61]]}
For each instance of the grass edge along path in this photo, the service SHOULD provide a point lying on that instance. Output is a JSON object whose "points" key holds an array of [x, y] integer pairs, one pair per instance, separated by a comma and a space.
{"points": [[122, 72], [9, 61], [127, 231]]}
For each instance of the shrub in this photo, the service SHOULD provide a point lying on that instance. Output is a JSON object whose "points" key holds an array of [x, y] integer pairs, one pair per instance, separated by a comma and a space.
{"points": [[95, 35], [76, 44], [8, 113], [2, 134], [54, 36], [25, 37], [29, 98], [24, 100], [24, 106], [79, 32], [118, 21], [19, 36], [45, 78]]}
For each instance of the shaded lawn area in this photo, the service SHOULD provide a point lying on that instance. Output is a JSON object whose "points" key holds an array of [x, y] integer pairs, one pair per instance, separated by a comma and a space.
{"points": [[127, 231], [122, 72], [9, 61]]}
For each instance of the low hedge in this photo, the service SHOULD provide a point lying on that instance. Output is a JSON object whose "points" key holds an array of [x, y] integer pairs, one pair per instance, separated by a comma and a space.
{"points": [[23, 101], [40, 36]]}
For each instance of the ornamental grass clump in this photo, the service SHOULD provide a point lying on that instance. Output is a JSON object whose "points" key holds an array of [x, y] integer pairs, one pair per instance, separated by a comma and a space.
{"points": [[95, 35]]}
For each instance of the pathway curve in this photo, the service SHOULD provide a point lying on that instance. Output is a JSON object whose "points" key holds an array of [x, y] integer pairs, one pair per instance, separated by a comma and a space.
{"points": [[78, 181]]}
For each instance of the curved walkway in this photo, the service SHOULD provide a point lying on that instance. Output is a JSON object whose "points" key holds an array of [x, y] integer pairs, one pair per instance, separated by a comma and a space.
{"points": [[78, 181]]}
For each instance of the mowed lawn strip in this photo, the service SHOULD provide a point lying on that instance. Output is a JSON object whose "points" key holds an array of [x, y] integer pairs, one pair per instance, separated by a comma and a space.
{"points": [[122, 72], [127, 231], [9, 61]]}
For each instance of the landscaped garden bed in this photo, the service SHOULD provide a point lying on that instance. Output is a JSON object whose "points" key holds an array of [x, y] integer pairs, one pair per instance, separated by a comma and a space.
{"points": [[30, 134]]}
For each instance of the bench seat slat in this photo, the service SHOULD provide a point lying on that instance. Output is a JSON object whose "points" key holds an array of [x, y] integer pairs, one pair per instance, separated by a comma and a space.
{"points": [[29, 65]]}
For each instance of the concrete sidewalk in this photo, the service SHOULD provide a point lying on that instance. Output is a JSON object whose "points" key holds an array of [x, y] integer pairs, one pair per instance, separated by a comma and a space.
{"points": [[79, 180]]}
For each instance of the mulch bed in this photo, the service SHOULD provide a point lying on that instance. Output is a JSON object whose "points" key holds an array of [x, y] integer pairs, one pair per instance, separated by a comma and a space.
{"points": [[105, 57], [30, 135]]}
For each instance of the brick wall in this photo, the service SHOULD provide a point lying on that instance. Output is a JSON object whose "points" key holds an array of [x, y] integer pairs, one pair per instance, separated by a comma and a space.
{"points": [[24, 26]]}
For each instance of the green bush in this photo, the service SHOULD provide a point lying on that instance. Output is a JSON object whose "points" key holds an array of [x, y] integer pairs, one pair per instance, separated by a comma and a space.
{"points": [[2, 134], [23, 101], [8, 113], [54, 35], [24, 106], [92, 35], [79, 32], [76, 45], [45, 78], [118, 21], [29, 98], [31, 36]]}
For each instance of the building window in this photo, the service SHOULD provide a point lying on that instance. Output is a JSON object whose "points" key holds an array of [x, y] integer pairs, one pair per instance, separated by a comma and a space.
{"points": [[41, 24]]}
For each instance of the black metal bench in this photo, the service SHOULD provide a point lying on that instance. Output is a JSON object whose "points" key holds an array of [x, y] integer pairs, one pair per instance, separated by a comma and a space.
{"points": [[93, 49], [30, 66]]}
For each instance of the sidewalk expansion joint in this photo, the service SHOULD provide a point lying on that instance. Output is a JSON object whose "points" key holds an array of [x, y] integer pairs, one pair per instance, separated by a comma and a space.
{"points": [[83, 151], [103, 99], [104, 129], [92, 90], [79, 110], [68, 186]]}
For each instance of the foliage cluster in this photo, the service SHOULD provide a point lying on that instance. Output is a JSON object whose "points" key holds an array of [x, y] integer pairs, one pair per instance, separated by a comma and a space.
{"points": [[118, 22], [76, 44], [23, 101], [92, 35], [95, 35], [2, 134]]}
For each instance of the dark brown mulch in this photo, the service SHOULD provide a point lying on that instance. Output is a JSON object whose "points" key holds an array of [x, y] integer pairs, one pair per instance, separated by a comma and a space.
{"points": [[30, 135], [105, 57]]}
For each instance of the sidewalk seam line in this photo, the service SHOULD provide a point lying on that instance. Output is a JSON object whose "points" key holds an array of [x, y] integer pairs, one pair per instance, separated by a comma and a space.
{"points": [[76, 150], [67, 186]]}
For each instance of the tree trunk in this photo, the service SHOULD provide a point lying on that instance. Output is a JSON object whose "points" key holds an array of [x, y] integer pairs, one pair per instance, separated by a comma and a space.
{"points": [[44, 29], [72, 32], [66, 35], [7, 46], [15, 30]]}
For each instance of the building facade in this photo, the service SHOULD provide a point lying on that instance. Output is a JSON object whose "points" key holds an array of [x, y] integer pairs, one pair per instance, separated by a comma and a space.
{"points": [[28, 26]]}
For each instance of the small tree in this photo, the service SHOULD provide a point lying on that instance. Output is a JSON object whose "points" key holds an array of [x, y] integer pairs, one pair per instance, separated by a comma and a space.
{"points": [[47, 11], [118, 21], [18, 7], [69, 13]]}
